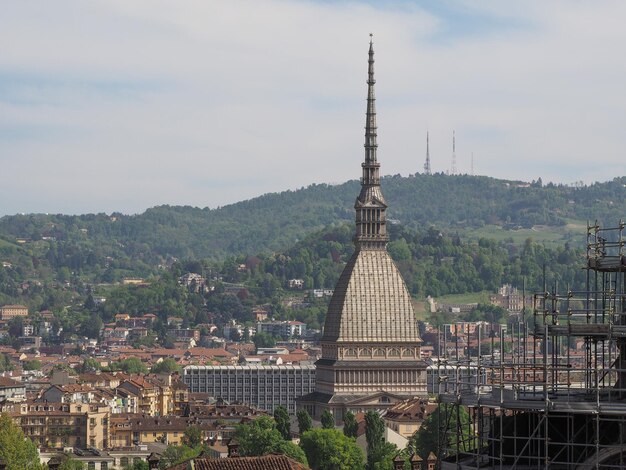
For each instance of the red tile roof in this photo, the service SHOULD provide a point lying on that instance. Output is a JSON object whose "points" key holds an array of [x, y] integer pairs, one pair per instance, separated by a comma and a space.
{"points": [[264, 462]]}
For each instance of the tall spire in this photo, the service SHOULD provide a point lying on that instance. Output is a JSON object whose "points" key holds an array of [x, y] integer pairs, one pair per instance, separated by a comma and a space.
{"points": [[370, 121], [427, 170], [371, 229]]}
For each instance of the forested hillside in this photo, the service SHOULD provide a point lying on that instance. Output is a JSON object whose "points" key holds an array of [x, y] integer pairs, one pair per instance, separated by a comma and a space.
{"points": [[274, 222], [432, 263]]}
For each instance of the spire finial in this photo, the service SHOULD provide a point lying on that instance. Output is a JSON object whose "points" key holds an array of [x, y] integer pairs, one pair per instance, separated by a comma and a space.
{"points": [[370, 119]]}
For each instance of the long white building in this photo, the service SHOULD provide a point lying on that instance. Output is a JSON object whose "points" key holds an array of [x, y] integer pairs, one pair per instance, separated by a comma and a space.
{"points": [[261, 386]]}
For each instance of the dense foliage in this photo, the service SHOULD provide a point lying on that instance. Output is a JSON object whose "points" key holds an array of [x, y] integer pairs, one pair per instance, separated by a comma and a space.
{"points": [[380, 453], [18, 452], [110, 246], [438, 432], [305, 422], [328, 420], [350, 425], [330, 449], [261, 437]]}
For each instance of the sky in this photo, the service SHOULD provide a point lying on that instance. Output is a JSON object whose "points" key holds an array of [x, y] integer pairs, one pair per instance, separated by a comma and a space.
{"points": [[117, 105]]}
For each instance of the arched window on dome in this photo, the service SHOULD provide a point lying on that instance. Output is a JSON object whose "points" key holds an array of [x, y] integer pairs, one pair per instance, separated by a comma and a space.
{"points": [[408, 353]]}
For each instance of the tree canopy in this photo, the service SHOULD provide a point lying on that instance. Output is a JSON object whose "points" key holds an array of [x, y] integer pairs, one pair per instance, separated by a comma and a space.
{"points": [[304, 421], [166, 366], [261, 437], [438, 431], [328, 420], [283, 425], [379, 452], [350, 425], [330, 449], [131, 365], [18, 452], [192, 437]]}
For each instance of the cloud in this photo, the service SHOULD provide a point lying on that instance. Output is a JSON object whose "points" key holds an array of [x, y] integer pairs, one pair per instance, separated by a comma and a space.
{"points": [[119, 106]]}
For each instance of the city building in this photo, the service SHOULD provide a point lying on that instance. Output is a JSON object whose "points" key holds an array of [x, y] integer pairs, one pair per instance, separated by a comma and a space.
{"points": [[130, 429], [407, 416], [260, 386], [10, 390], [510, 298], [371, 343], [282, 329], [154, 396], [11, 311], [61, 425]]}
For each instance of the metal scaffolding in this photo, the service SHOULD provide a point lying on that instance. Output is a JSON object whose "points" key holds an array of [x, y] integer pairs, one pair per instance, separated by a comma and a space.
{"points": [[549, 389]]}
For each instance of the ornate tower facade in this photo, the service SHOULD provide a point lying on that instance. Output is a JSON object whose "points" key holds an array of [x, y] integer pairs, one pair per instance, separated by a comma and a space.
{"points": [[371, 343]]}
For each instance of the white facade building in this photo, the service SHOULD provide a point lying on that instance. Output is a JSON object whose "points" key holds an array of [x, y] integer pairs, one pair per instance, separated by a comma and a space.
{"points": [[260, 386]]}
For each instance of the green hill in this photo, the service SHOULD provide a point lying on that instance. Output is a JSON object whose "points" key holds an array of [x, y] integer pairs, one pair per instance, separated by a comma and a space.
{"points": [[472, 206], [449, 235]]}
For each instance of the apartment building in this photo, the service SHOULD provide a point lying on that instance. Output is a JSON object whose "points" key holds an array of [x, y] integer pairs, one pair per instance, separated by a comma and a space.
{"points": [[11, 311], [60, 425], [154, 396], [138, 429], [260, 386]]}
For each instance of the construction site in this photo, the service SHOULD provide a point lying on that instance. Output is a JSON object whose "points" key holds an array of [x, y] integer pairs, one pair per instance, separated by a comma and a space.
{"points": [[547, 390]]}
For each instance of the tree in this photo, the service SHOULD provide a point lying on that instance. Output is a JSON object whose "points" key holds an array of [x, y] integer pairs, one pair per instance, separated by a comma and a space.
{"points": [[375, 438], [70, 463], [428, 437], [330, 449], [34, 364], [91, 328], [328, 420], [139, 465], [281, 416], [166, 366], [261, 437], [89, 304], [18, 452], [305, 422], [131, 365], [263, 340], [5, 363], [16, 327], [350, 425], [90, 365], [192, 437], [173, 455], [385, 455]]}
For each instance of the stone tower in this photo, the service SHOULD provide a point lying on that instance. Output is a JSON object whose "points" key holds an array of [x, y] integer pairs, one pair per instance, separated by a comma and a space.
{"points": [[371, 343]]}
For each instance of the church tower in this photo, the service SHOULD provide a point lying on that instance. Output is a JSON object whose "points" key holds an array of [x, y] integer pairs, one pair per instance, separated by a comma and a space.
{"points": [[371, 343]]}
